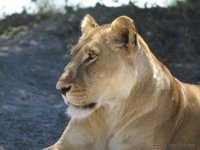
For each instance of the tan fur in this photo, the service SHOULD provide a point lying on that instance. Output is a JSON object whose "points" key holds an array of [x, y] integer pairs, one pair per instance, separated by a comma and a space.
{"points": [[139, 104]]}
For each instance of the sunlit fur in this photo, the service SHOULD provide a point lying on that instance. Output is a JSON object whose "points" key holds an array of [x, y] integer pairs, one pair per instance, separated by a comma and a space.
{"points": [[139, 104]]}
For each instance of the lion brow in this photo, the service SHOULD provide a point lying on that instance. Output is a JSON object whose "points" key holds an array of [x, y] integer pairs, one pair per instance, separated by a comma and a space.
{"points": [[78, 46], [75, 50]]}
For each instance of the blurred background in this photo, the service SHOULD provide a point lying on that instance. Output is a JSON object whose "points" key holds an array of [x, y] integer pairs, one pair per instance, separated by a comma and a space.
{"points": [[35, 40]]}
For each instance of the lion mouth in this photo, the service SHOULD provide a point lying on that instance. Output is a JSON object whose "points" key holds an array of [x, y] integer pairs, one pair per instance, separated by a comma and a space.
{"points": [[87, 106]]}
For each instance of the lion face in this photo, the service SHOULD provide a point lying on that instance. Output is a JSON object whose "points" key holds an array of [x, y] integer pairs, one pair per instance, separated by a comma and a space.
{"points": [[99, 72]]}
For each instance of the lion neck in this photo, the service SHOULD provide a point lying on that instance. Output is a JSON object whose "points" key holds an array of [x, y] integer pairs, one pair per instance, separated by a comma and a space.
{"points": [[153, 90]]}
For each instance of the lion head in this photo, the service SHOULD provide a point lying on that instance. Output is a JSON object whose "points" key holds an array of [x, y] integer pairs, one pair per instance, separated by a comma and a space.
{"points": [[100, 71]]}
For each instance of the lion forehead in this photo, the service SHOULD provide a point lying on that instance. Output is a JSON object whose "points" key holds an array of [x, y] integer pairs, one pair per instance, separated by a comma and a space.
{"points": [[97, 35]]}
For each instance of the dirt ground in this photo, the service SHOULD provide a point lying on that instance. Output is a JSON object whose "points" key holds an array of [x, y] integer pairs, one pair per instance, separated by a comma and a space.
{"points": [[32, 112]]}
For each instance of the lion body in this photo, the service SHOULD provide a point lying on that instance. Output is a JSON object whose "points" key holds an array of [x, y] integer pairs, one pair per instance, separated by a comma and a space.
{"points": [[150, 111]]}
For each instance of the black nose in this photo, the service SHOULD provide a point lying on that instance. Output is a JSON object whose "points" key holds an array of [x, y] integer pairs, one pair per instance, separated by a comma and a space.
{"points": [[64, 90]]}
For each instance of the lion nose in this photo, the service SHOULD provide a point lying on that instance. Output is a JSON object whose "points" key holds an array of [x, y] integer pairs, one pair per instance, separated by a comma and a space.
{"points": [[64, 90]]}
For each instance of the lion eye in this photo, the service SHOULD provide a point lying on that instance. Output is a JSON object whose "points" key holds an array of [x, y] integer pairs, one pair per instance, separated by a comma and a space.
{"points": [[91, 58]]}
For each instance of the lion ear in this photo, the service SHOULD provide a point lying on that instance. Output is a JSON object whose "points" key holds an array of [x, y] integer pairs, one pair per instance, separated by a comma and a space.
{"points": [[88, 23], [123, 29]]}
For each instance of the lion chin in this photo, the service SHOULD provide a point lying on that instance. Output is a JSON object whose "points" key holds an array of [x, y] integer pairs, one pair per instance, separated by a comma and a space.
{"points": [[77, 111]]}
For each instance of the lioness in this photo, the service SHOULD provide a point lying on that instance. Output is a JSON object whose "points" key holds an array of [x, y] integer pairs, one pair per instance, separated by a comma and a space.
{"points": [[120, 97]]}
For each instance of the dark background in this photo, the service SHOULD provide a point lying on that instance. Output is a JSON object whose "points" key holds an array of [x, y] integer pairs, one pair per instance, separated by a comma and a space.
{"points": [[35, 48]]}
